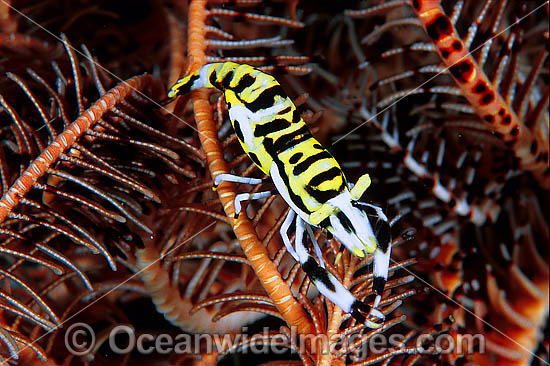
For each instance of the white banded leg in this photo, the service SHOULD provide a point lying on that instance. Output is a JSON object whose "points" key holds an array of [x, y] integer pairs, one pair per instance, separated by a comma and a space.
{"points": [[301, 250], [381, 262], [225, 177], [284, 234], [381, 267], [381, 255], [318, 251], [247, 197], [327, 284]]}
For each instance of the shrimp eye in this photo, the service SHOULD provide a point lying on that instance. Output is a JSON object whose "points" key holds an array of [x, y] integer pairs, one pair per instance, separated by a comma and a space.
{"points": [[383, 234]]}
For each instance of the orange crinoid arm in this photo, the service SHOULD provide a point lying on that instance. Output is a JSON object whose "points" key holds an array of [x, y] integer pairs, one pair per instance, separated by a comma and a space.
{"points": [[253, 248], [65, 140], [530, 149]]}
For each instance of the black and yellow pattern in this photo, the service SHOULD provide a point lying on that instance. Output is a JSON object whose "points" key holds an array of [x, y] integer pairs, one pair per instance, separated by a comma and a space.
{"points": [[275, 132], [308, 178]]}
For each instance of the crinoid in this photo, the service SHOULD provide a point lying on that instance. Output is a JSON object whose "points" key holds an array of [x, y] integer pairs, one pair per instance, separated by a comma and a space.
{"points": [[71, 189], [465, 80]]}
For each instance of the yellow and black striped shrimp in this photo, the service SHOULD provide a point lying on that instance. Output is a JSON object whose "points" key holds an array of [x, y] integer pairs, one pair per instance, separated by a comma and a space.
{"points": [[309, 179]]}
